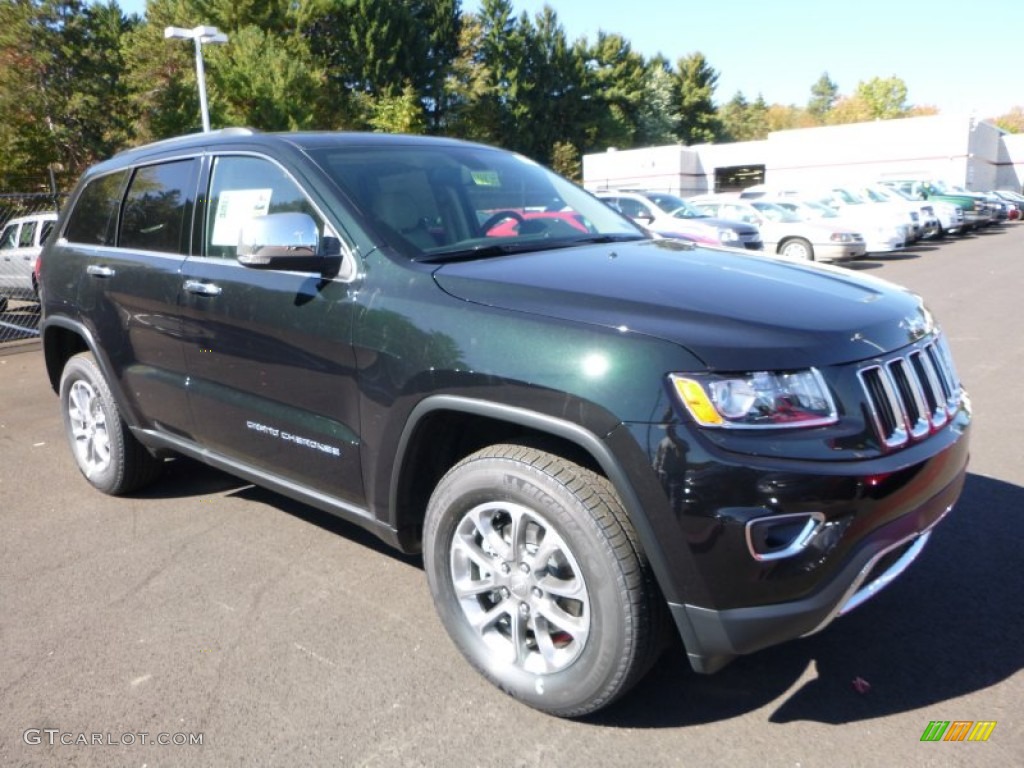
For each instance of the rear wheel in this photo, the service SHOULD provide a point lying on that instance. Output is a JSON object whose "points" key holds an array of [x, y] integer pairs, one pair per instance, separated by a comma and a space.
{"points": [[797, 248], [105, 450], [537, 577]]}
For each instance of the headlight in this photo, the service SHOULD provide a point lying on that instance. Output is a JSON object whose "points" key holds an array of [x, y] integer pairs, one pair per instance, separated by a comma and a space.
{"points": [[759, 400], [842, 237], [728, 235]]}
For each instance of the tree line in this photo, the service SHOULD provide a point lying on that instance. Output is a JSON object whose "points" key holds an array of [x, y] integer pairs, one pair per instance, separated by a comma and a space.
{"points": [[82, 80]]}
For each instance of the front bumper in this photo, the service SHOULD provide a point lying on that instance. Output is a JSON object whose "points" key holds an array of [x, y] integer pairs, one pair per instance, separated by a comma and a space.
{"points": [[729, 596], [715, 637]]}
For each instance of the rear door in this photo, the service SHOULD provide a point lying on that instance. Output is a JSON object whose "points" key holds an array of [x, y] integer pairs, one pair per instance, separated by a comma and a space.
{"points": [[272, 371], [123, 247]]}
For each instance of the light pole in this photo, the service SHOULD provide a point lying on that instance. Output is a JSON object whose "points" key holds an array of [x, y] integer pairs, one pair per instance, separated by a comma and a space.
{"points": [[199, 35]]}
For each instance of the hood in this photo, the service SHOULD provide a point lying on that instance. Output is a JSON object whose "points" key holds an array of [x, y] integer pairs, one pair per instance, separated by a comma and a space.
{"points": [[733, 311]]}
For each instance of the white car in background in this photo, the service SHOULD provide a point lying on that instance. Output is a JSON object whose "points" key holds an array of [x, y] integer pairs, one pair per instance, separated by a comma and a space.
{"points": [[938, 218], [884, 231], [881, 235], [786, 234], [846, 199]]}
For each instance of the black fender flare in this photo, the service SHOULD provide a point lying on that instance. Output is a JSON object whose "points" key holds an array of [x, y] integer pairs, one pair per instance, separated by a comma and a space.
{"points": [[596, 446]]}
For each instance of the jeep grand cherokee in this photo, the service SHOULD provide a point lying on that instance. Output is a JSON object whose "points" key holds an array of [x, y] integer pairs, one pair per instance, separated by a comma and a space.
{"points": [[585, 431]]}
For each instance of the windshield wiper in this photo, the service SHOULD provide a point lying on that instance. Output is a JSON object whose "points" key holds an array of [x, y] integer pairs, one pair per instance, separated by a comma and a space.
{"points": [[483, 251], [488, 250]]}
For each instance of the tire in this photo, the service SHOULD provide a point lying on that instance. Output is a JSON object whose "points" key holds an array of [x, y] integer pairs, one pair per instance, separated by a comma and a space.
{"points": [[567, 620], [106, 452], [797, 248]]}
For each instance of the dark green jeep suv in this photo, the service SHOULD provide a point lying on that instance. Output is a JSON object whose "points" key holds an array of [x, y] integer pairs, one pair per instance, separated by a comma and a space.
{"points": [[591, 435]]}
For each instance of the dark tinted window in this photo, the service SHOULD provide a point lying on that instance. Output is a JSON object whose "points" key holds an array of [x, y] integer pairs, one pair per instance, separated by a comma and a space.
{"points": [[28, 232], [157, 212], [244, 187], [9, 236], [633, 209], [47, 230], [94, 219]]}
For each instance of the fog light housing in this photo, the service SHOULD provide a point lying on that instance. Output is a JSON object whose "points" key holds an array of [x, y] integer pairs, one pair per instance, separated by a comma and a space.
{"points": [[780, 536]]}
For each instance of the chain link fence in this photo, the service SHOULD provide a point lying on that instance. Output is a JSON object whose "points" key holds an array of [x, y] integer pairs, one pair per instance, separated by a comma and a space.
{"points": [[26, 220]]}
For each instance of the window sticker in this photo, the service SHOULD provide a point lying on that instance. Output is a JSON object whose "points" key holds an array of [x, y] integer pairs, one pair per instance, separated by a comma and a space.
{"points": [[234, 207], [486, 178]]}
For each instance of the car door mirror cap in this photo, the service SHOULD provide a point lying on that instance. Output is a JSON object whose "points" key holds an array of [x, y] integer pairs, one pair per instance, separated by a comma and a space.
{"points": [[287, 241]]}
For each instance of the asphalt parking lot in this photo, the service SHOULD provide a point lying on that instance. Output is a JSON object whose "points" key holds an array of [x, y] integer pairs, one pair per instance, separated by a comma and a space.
{"points": [[241, 628]]}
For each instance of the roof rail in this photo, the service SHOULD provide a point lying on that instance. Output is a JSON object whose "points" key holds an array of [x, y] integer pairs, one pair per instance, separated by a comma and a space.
{"points": [[230, 131]]}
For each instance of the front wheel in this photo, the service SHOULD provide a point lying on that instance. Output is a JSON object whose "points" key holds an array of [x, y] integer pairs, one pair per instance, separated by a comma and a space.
{"points": [[797, 248], [105, 450], [537, 577]]}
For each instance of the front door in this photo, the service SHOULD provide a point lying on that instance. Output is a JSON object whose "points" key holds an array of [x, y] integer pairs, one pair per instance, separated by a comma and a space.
{"points": [[269, 353]]}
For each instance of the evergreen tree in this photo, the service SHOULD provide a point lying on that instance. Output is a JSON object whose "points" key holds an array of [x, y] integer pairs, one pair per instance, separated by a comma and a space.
{"points": [[658, 116], [696, 82], [619, 82], [824, 94]]}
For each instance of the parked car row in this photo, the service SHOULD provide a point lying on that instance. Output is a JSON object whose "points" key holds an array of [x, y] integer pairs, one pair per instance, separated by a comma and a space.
{"points": [[21, 241], [824, 223]]}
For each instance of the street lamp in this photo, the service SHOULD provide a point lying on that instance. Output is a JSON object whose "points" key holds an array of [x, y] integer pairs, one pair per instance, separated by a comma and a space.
{"points": [[199, 35]]}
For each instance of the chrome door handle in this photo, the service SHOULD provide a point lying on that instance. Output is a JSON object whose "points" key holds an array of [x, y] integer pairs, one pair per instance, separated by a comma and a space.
{"points": [[99, 271], [201, 288]]}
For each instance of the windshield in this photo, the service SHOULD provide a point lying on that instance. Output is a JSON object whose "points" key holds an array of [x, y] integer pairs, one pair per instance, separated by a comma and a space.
{"points": [[668, 203], [432, 201], [875, 196], [897, 192], [847, 197], [774, 212], [808, 210], [687, 211]]}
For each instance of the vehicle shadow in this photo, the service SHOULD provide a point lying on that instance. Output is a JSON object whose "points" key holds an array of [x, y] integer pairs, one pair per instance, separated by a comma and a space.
{"points": [[184, 477], [951, 625]]}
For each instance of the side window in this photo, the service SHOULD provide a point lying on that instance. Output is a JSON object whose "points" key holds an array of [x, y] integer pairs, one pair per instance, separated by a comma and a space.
{"points": [[94, 219], [47, 231], [632, 208], [244, 187], [28, 233], [736, 213], [9, 236], [157, 214]]}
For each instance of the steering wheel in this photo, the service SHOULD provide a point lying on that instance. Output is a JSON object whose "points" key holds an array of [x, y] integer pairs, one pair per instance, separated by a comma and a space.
{"points": [[498, 217]]}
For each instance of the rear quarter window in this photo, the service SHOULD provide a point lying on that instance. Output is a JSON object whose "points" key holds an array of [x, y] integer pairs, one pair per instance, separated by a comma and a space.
{"points": [[94, 218]]}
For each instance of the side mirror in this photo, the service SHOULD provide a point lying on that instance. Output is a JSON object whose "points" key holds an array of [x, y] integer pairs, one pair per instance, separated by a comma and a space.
{"points": [[288, 241]]}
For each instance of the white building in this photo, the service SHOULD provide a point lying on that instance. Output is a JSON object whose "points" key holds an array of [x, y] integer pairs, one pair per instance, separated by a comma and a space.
{"points": [[955, 149]]}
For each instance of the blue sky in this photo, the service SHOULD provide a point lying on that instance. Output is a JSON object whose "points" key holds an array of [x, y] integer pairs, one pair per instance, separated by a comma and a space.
{"points": [[957, 55]]}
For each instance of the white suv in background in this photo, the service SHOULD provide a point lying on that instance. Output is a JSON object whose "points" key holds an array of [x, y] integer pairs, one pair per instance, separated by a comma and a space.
{"points": [[21, 240]]}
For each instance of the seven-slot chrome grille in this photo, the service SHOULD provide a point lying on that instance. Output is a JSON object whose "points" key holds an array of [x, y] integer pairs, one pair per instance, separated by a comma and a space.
{"points": [[913, 394]]}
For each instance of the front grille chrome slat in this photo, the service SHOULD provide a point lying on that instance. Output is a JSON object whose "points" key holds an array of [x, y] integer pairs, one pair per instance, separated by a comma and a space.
{"points": [[913, 394]]}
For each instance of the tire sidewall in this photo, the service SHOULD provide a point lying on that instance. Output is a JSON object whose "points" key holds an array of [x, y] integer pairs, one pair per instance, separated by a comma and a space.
{"points": [[591, 678], [806, 253], [83, 368]]}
